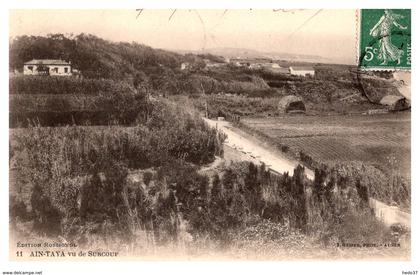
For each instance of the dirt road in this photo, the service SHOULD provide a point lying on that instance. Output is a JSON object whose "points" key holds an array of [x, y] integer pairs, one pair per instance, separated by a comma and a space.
{"points": [[274, 161], [280, 164], [390, 214]]}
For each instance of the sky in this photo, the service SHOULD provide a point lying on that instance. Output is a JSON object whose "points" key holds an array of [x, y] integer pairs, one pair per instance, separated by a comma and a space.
{"points": [[327, 33]]}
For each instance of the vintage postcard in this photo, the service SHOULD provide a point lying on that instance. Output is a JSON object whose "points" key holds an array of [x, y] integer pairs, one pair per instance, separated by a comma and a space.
{"points": [[222, 134]]}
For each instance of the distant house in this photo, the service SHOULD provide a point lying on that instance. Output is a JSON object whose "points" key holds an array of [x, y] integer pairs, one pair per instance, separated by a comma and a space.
{"points": [[47, 67], [254, 66], [185, 65], [302, 71], [239, 62]]}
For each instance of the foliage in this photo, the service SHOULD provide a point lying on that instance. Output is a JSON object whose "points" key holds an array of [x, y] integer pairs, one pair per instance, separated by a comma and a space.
{"points": [[63, 85], [230, 106], [93, 56], [53, 101], [173, 199], [78, 176]]}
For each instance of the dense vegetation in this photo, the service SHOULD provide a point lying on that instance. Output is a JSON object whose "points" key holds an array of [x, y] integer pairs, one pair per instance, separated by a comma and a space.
{"points": [[93, 56], [175, 204], [54, 101], [333, 89], [52, 165], [168, 132]]}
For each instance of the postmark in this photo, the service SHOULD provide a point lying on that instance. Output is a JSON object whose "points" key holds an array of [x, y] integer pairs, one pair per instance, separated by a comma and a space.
{"points": [[385, 39]]}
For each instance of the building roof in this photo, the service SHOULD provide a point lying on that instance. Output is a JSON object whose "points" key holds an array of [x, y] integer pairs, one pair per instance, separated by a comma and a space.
{"points": [[47, 62], [302, 68]]}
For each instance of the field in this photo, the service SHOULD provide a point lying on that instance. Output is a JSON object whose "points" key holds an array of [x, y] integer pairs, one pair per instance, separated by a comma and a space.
{"points": [[372, 150], [381, 140]]}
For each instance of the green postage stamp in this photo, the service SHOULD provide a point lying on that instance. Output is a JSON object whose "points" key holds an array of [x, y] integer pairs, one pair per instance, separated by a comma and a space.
{"points": [[385, 39]]}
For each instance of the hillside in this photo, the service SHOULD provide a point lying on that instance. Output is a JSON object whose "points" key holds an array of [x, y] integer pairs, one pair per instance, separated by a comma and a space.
{"points": [[334, 88], [93, 56]]}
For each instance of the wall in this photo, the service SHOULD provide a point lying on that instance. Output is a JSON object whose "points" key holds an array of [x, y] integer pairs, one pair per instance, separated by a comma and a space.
{"points": [[60, 70], [302, 73]]}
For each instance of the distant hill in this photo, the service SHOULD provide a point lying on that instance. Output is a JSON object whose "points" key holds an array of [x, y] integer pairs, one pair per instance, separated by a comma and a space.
{"points": [[250, 53], [93, 56]]}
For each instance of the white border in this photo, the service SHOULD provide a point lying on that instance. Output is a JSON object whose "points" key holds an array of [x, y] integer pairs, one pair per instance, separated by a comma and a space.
{"points": [[197, 267]]}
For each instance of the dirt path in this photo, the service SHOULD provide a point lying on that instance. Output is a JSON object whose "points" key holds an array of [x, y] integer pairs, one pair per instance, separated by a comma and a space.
{"points": [[280, 164]]}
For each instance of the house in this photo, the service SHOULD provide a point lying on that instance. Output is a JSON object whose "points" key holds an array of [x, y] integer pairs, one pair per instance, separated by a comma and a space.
{"points": [[302, 71], [185, 66], [254, 66], [47, 67], [239, 62]]}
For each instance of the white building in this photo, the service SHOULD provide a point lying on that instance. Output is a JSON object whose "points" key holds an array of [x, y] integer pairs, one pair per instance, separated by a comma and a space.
{"points": [[48, 67], [302, 71], [254, 66], [185, 66]]}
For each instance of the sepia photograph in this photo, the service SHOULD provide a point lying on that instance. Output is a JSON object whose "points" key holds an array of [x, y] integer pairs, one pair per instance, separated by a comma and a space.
{"points": [[209, 134]]}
